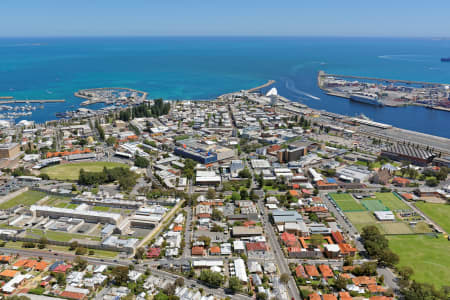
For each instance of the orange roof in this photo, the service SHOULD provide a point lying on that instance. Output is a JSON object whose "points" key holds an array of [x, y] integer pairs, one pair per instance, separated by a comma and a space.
{"points": [[293, 193], [346, 248], [72, 295], [197, 250], [329, 297], [345, 296], [345, 275], [177, 228], [348, 268], [41, 266], [314, 296], [400, 180], [8, 273], [311, 270], [296, 186], [364, 280], [5, 258], [326, 271], [407, 196], [380, 298], [373, 288], [27, 263], [215, 250]]}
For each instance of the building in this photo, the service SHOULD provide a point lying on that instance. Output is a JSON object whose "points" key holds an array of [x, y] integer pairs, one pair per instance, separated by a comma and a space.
{"points": [[88, 216], [239, 267], [9, 151], [400, 152], [384, 215], [242, 231]]}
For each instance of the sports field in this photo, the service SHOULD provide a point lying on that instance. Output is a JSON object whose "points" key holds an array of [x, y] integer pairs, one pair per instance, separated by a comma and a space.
{"points": [[391, 201], [396, 228], [361, 219], [439, 213], [72, 171], [346, 202], [27, 198], [373, 205], [427, 255]]}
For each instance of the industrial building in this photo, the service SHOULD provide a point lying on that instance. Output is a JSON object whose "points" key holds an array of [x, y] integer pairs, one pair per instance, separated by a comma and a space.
{"points": [[205, 152], [9, 151], [88, 216], [414, 155]]}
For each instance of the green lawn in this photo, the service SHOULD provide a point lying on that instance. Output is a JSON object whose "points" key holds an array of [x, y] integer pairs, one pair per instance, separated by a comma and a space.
{"points": [[428, 256], [61, 236], [101, 208], [361, 219], [72, 171], [27, 198], [346, 202], [440, 213], [391, 201]]}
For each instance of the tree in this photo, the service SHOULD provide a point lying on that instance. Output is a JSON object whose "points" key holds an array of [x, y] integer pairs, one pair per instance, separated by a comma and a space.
{"points": [[406, 272], [244, 194], [179, 282], [235, 196], [340, 283], [217, 215], [211, 194], [42, 242], [140, 252], [214, 279], [245, 173], [234, 284], [284, 278], [205, 239], [111, 141], [73, 245], [120, 275], [81, 251], [141, 162], [261, 296], [80, 263]]}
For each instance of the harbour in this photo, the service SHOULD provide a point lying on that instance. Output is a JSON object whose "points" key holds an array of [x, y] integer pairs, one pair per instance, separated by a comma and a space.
{"points": [[33, 101]]}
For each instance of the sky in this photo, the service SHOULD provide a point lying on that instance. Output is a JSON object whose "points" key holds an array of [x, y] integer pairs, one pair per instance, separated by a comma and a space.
{"points": [[393, 18]]}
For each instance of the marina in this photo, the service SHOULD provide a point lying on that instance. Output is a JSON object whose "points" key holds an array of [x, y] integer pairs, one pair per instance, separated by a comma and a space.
{"points": [[113, 95], [32, 101]]}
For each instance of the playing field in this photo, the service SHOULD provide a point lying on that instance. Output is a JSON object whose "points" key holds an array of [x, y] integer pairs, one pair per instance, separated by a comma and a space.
{"points": [[72, 171], [27, 198], [396, 228], [427, 255], [346, 202], [361, 219], [391, 201], [373, 205], [439, 213]]}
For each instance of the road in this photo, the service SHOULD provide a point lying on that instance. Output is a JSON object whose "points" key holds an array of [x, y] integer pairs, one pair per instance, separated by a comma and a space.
{"points": [[278, 254], [346, 225], [389, 279]]}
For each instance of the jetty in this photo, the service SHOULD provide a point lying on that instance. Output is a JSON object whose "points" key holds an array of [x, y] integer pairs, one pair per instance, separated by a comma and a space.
{"points": [[6, 97], [321, 74], [32, 101], [268, 83]]}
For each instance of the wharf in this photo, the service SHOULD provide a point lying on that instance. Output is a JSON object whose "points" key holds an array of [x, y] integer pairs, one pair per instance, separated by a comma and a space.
{"points": [[322, 74], [32, 101], [268, 83], [6, 97]]}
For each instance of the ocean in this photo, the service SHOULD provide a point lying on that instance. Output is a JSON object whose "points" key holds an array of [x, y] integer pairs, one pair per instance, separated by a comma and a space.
{"points": [[205, 67]]}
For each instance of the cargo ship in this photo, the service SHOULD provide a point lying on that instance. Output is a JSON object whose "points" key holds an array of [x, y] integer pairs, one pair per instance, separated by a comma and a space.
{"points": [[366, 98], [445, 59]]}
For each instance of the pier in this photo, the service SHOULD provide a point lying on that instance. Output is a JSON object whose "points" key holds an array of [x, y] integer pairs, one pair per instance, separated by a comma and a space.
{"points": [[268, 83], [32, 101], [6, 97], [322, 74]]}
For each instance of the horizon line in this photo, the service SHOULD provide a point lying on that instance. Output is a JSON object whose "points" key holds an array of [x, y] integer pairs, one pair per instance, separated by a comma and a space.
{"points": [[227, 36]]}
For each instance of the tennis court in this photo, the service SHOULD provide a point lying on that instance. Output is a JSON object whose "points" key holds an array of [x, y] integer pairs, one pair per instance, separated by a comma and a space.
{"points": [[391, 201], [374, 205]]}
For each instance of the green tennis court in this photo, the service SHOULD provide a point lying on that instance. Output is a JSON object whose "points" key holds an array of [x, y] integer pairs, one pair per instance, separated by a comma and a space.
{"points": [[374, 205]]}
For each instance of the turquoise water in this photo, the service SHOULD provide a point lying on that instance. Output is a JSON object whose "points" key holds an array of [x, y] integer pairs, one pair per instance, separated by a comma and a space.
{"points": [[203, 68]]}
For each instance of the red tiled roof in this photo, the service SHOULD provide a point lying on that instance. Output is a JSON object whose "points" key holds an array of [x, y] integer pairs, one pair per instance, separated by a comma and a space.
{"points": [[329, 297], [326, 271], [373, 288], [72, 295], [197, 250], [311, 270], [345, 296], [62, 268], [293, 193], [337, 237], [215, 250], [257, 246], [346, 248], [300, 272], [153, 252], [314, 296], [380, 298], [364, 280]]}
